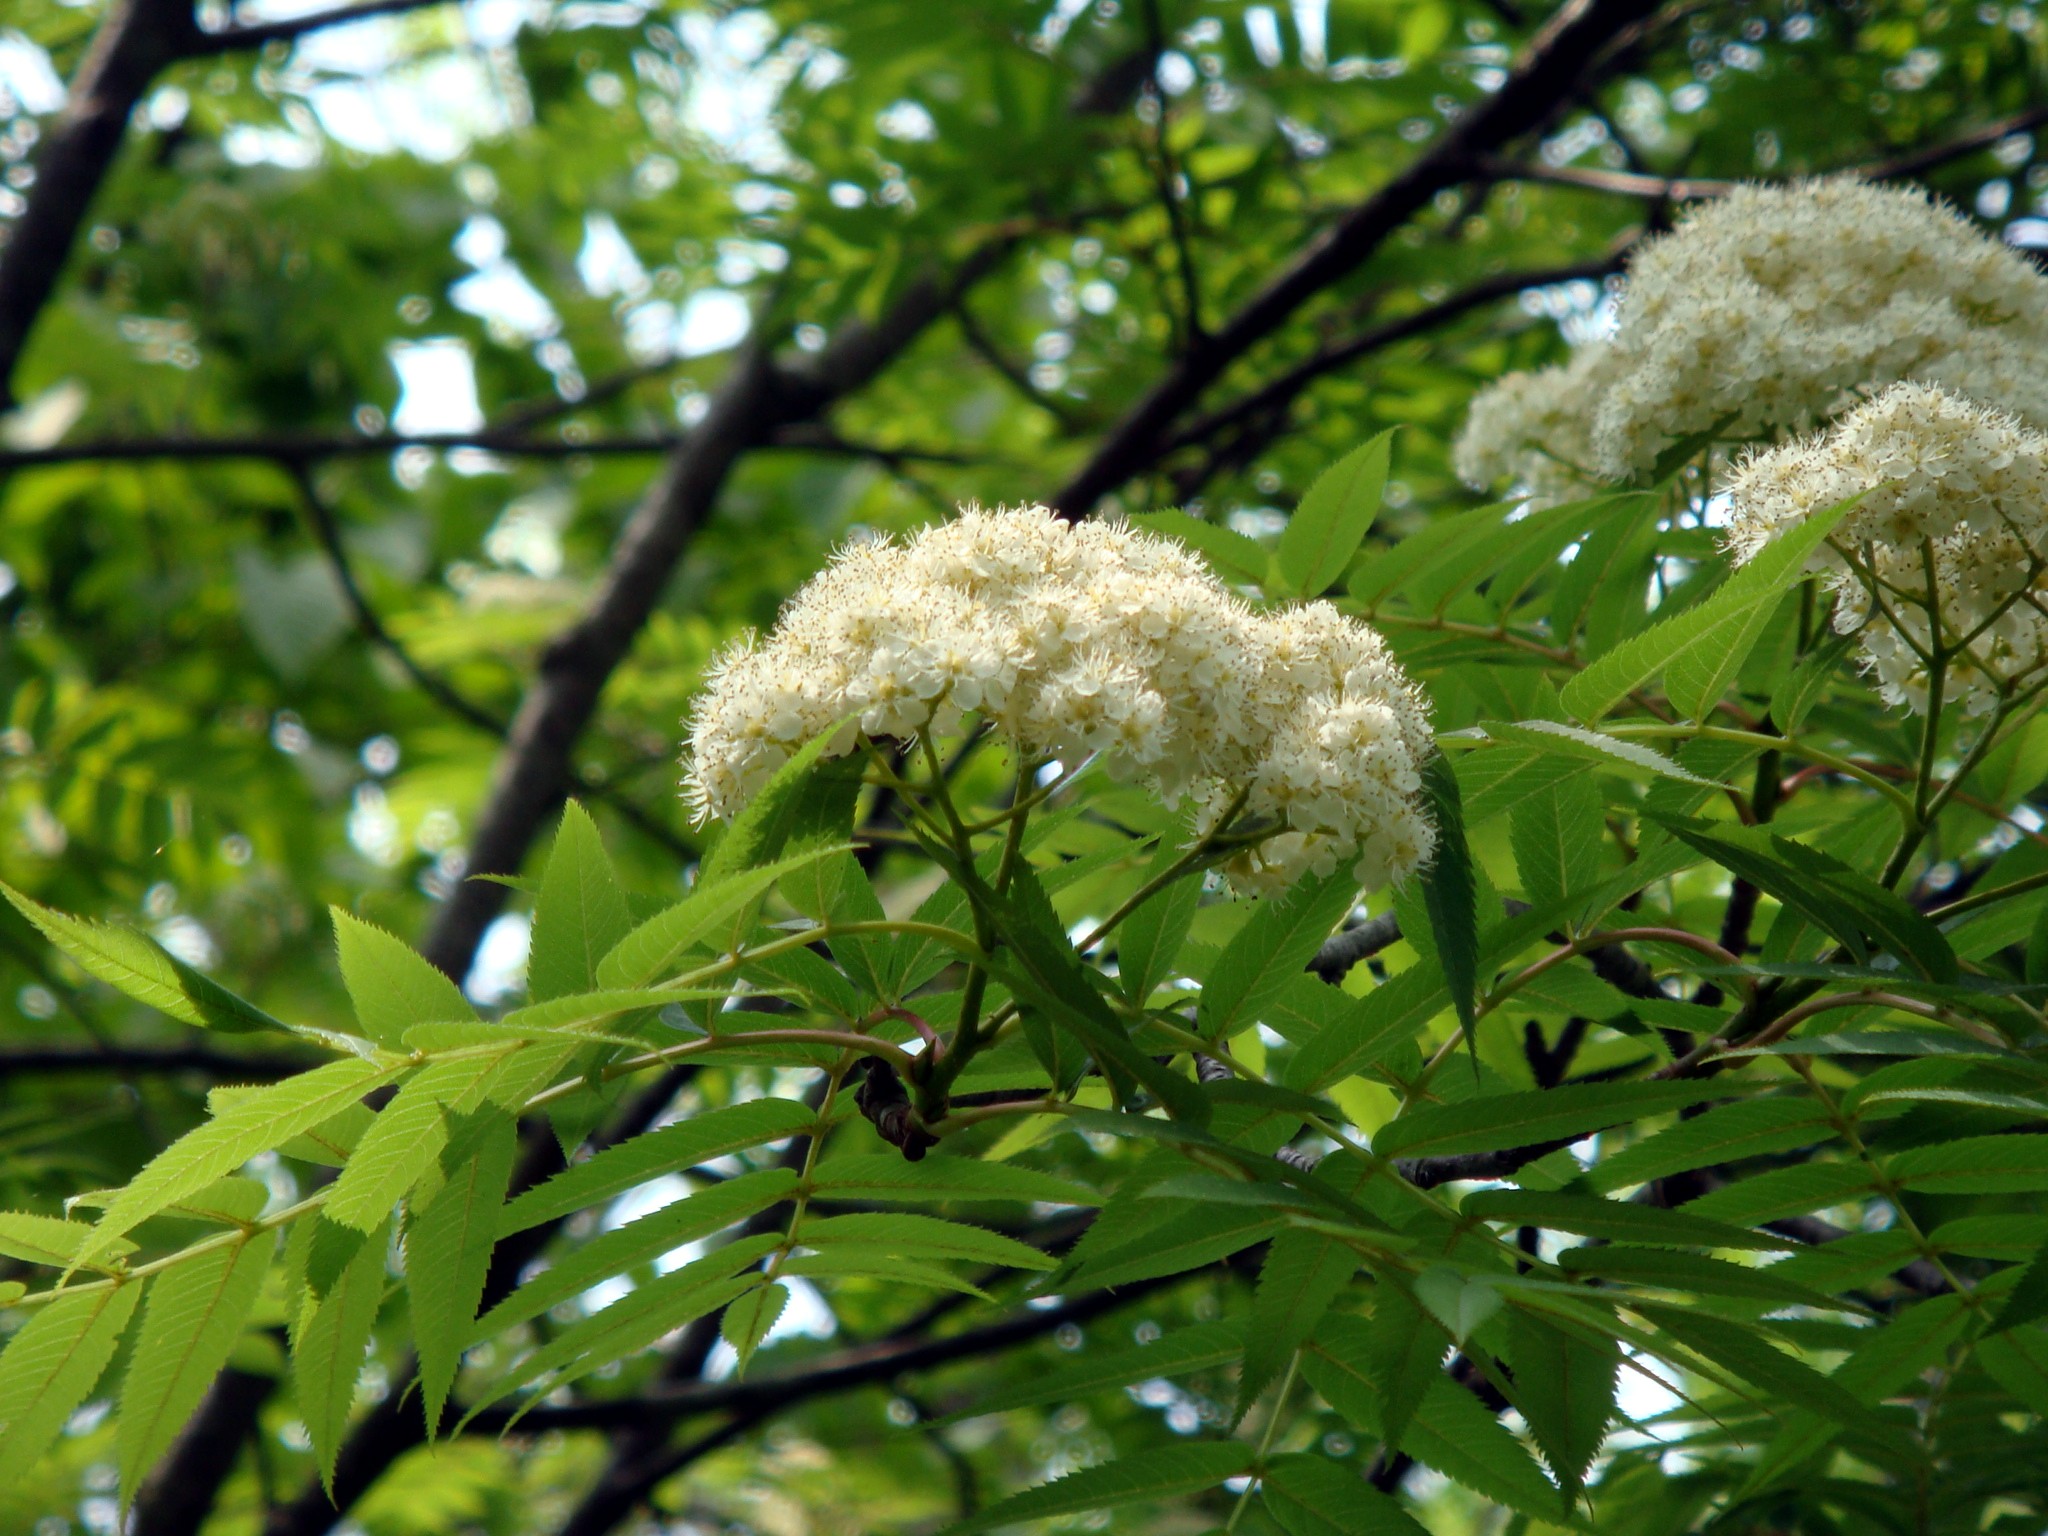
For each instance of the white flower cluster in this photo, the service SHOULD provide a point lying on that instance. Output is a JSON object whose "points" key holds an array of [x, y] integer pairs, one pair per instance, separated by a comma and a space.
{"points": [[1076, 641], [1767, 311], [1954, 520]]}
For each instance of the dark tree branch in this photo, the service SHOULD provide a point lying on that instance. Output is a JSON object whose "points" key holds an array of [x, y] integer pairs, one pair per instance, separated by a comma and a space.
{"points": [[983, 346], [227, 1066], [1341, 951], [1553, 64], [1681, 189], [503, 439], [258, 35], [327, 533], [1627, 973], [1919, 161], [757, 397], [137, 39], [862, 1365], [1275, 396], [1166, 179]]}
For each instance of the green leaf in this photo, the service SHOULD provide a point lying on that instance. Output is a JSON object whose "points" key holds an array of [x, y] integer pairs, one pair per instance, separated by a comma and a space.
{"points": [[922, 1237], [392, 986], [260, 1122], [1331, 521], [1187, 1239], [1462, 1302], [641, 1242], [1805, 683], [1237, 560], [1041, 969], [1701, 649], [886, 1176], [1724, 1134], [1448, 1429], [1614, 1220], [1833, 897], [758, 834], [1313, 1496], [580, 914], [403, 1142], [658, 944], [1525, 1119], [1563, 740], [1494, 779], [1785, 1192], [51, 1366], [1449, 556], [1564, 1385], [1914, 1340], [892, 1269], [327, 1350], [1304, 1272], [1272, 947], [50, 1240], [2018, 1361], [714, 1133], [1377, 1026], [1689, 1272], [1148, 942], [1775, 1379], [1556, 834], [448, 1250], [1167, 1472], [1449, 894], [1974, 1165], [136, 965], [636, 1320], [195, 1314], [2027, 1302], [1202, 1347], [748, 1319]]}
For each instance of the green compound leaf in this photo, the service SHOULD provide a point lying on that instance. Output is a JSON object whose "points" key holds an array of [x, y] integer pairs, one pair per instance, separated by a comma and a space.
{"points": [[1564, 1385], [1838, 900], [1169, 1472], [1524, 1119], [656, 946], [715, 1133]]}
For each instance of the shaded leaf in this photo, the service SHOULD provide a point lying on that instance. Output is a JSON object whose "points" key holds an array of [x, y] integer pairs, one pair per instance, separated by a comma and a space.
{"points": [[1167, 1472]]}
